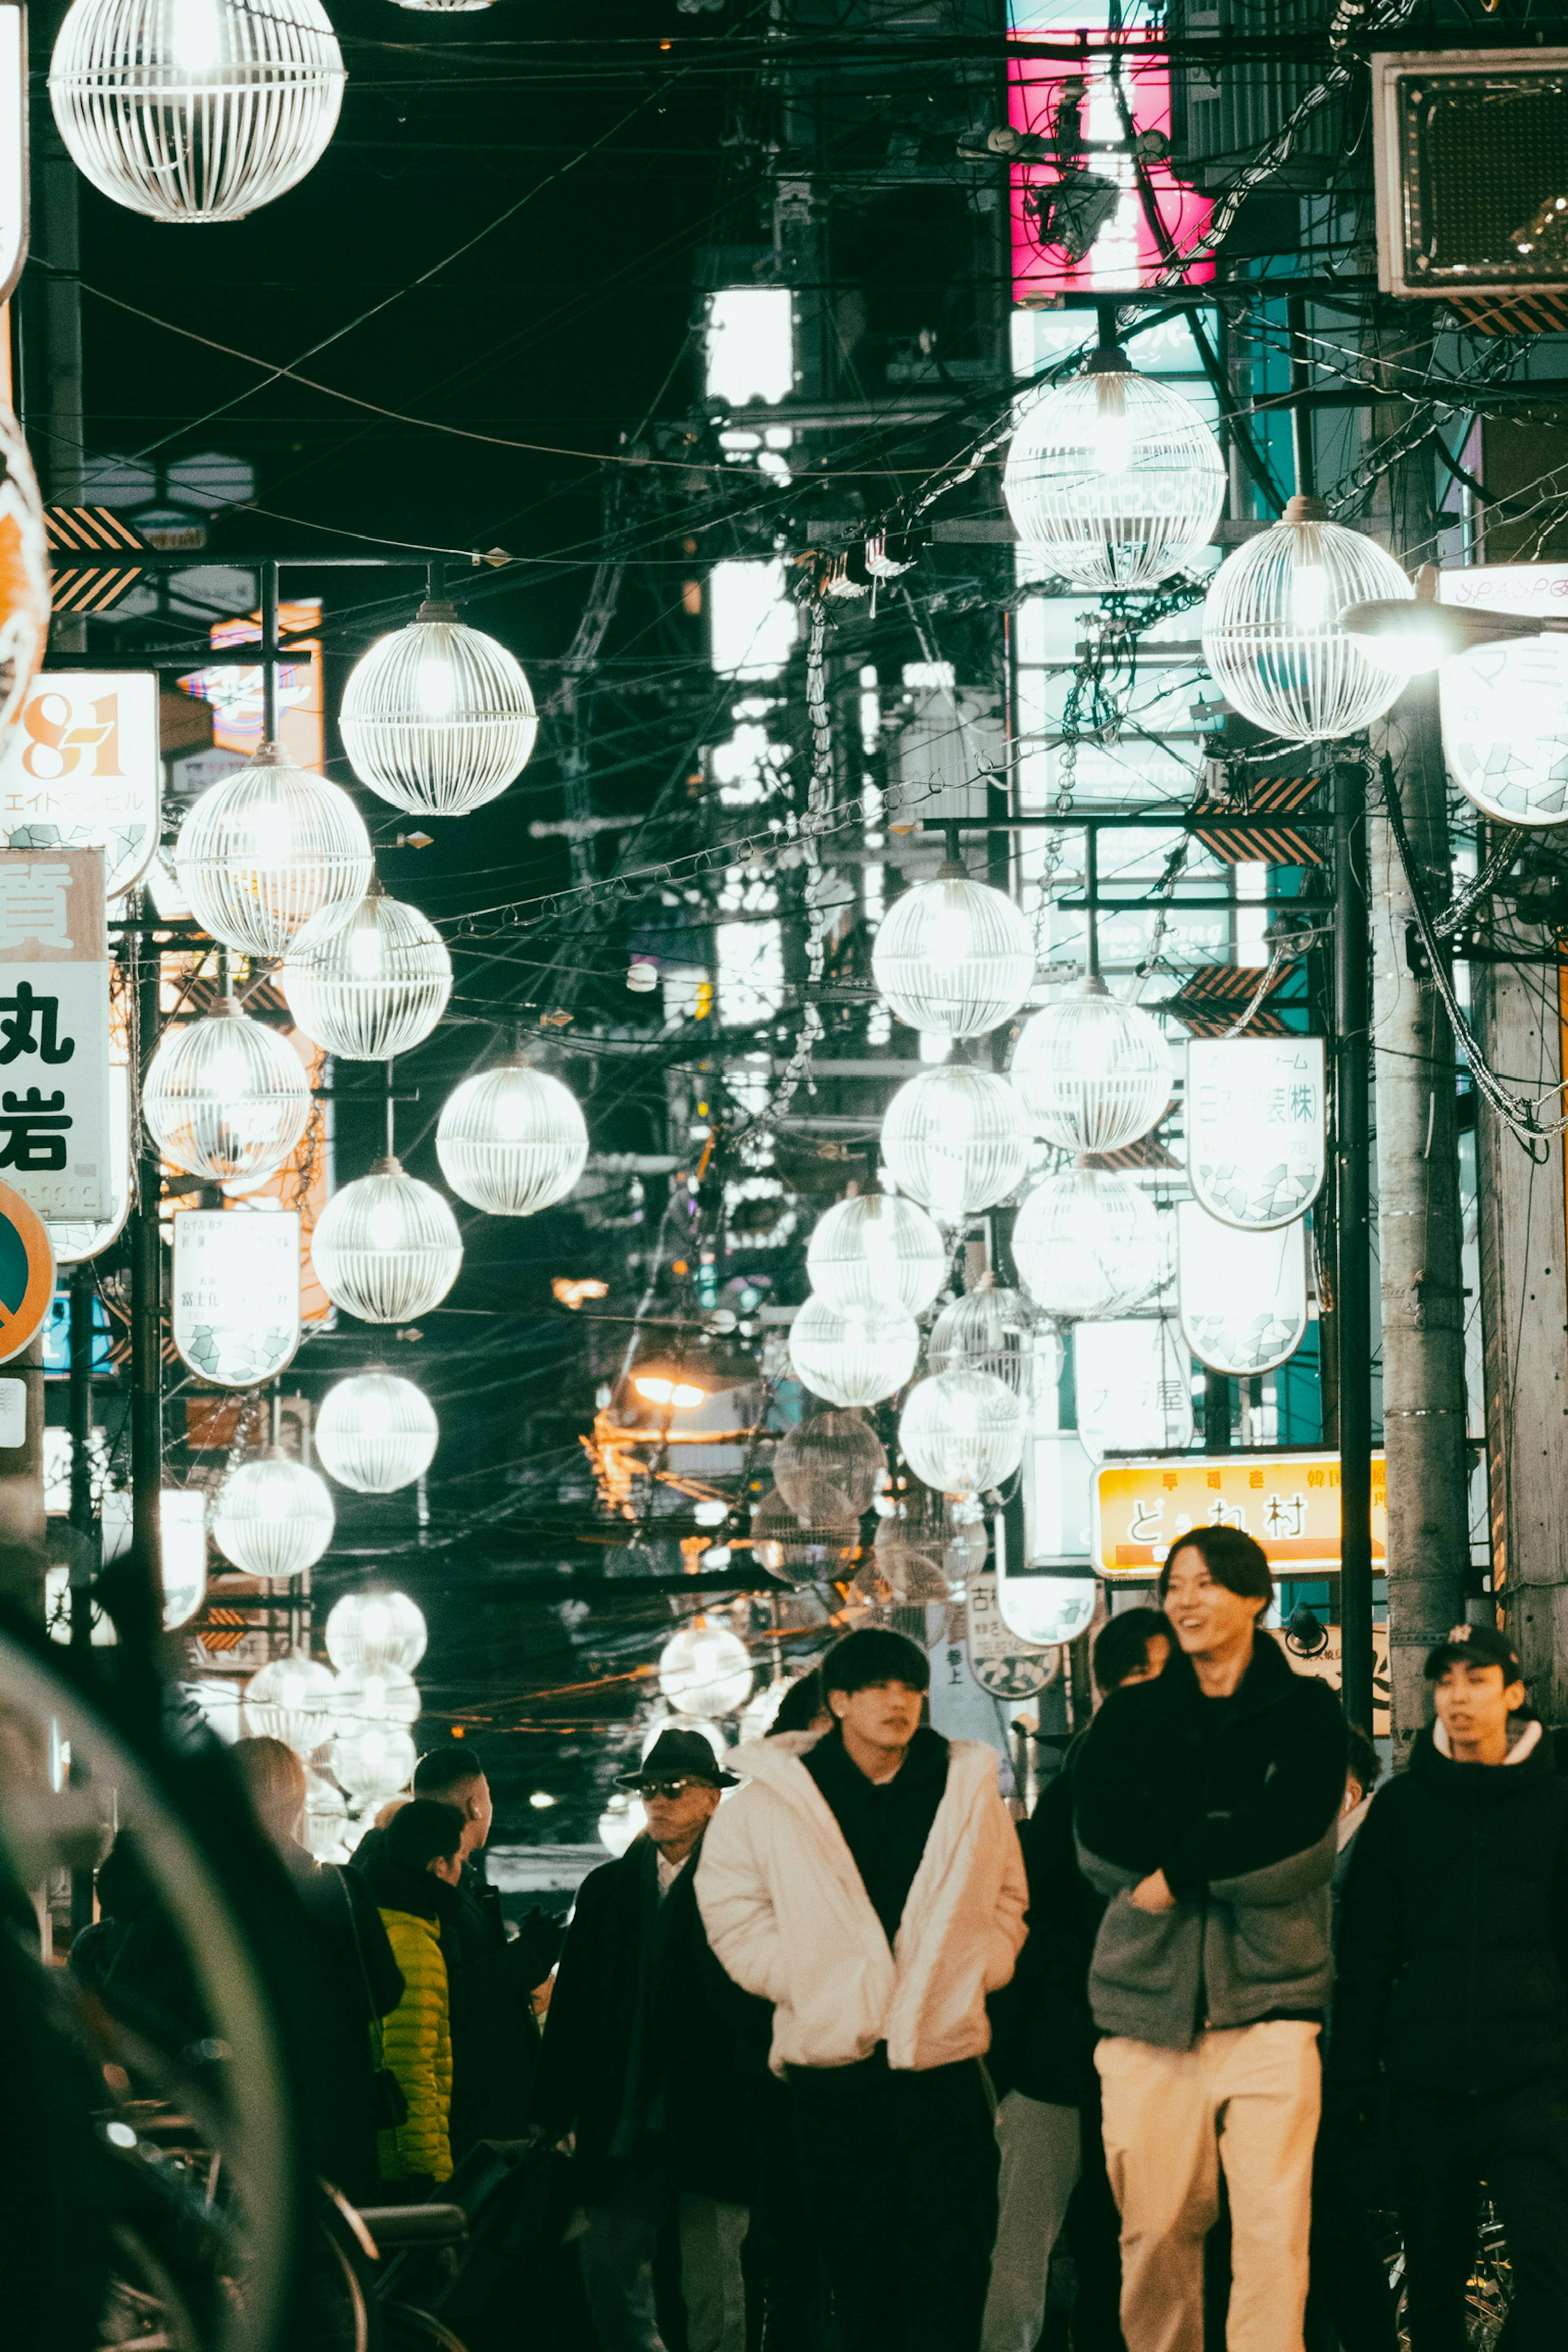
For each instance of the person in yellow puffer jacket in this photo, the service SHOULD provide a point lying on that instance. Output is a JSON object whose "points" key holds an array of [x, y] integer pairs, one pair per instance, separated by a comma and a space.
{"points": [[413, 1876]]}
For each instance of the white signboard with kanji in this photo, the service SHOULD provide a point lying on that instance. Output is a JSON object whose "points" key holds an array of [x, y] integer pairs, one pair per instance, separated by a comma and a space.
{"points": [[56, 1146], [1257, 1128], [83, 769], [1002, 1663], [235, 1312]]}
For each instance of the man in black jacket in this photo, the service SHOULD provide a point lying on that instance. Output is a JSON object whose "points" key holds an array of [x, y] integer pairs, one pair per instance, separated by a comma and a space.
{"points": [[1453, 1951], [1207, 1808], [653, 2064]]}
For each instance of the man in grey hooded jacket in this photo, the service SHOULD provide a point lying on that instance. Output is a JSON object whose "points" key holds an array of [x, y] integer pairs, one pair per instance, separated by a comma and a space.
{"points": [[1206, 1811]]}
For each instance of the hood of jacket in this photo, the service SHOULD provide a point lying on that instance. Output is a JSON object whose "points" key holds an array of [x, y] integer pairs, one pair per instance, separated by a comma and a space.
{"points": [[398, 1888], [1528, 1759]]}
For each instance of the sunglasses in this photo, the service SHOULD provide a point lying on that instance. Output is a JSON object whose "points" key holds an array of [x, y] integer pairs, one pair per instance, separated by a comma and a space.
{"points": [[669, 1789]]}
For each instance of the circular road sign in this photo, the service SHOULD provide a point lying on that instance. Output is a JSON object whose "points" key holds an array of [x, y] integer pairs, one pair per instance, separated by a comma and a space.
{"points": [[27, 1273]]}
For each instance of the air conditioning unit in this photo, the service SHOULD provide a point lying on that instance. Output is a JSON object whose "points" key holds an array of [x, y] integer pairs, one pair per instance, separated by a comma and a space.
{"points": [[1471, 154]]}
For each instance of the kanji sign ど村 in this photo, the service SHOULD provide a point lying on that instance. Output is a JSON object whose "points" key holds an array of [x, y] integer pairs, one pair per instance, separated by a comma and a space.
{"points": [[1289, 1502], [83, 769], [55, 1142]]}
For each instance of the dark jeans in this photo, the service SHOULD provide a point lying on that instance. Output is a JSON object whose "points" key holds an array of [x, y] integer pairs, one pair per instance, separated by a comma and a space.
{"points": [[1517, 2143], [1350, 2300], [1093, 2233], [900, 2172]]}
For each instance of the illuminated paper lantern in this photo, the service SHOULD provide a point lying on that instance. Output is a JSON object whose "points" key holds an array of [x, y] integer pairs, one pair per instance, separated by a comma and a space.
{"points": [[1133, 1387], [1257, 1123], [1087, 1242], [954, 958], [273, 1517], [853, 1355], [374, 1632], [234, 1308], [1242, 1296], [703, 1670], [437, 718], [291, 1699], [962, 1432], [23, 569], [877, 1250], [1115, 476], [955, 1139], [376, 1433]]}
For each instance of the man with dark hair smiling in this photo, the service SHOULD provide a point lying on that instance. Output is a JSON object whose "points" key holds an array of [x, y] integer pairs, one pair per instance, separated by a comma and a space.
{"points": [[1207, 1800], [869, 1883]]}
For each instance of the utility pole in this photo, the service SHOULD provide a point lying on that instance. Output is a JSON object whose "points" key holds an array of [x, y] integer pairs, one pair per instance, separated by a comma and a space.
{"points": [[1353, 1238]]}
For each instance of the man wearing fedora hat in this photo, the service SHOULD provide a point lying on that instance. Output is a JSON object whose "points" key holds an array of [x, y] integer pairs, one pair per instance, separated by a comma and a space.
{"points": [[652, 2066]]}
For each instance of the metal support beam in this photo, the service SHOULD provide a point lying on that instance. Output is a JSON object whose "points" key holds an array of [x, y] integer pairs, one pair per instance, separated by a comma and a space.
{"points": [[1352, 1275]]}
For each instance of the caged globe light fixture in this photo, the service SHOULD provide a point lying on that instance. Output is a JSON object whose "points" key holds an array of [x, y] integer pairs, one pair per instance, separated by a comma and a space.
{"points": [[962, 1432], [511, 1140], [374, 1632], [375, 986], [385, 1697], [376, 1433], [839, 1451], [387, 1247], [986, 1330], [804, 1547], [196, 110], [373, 1762], [273, 1517], [437, 718], [1115, 476], [877, 1250], [1273, 635], [291, 1699], [954, 958], [705, 1670], [853, 1355], [1088, 1245], [955, 1138], [268, 850], [1093, 1073], [225, 1097]]}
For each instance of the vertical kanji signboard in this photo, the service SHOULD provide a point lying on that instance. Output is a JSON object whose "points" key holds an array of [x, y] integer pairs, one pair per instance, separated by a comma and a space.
{"points": [[54, 1031]]}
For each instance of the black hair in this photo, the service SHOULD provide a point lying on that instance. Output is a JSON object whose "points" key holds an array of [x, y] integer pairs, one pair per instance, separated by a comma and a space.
{"points": [[801, 1705], [1364, 1765], [447, 1768], [1121, 1646], [420, 1831], [1233, 1560], [874, 1656]]}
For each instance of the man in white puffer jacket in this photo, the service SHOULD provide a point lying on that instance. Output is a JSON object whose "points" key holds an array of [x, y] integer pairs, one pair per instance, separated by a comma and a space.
{"points": [[869, 1882]]}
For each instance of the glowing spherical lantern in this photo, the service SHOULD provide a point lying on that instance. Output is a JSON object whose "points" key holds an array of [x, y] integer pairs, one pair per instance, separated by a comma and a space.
{"points": [[622, 1821], [908, 1559], [376, 1433], [877, 1250], [196, 110], [269, 850], [1271, 631], [955, 1138], [374, 1762], [1115, 476], [290, 1699], [839, 1451], [806, 1547], [375, 986], [954, 958], [437, 718], [326, 1820], [387, 1247], [374, 1632], [511, 1140], [1088, 1243], [853, 1355], [962, 1432], [225, 1097], [986, 1330], [703, 1670], [1093, 1074], [385, 1697], [273, 1517]]}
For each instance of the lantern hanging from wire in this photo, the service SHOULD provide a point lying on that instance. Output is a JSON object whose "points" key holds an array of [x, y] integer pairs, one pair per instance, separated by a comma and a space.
{"points": [[1115, 476], [806, 1547], [986, 1330], [387, 1247], [1087, 1242], [511, 1140], [374, 1762], [273, 1517], [437, 718], [962, 1432], [269, 850], [225, 1097], [875, 1249], [955, 1138], [1093, 1073], [1271, 631], [376, 1433], [853, 1355], [375, 986], [954, 958], [703, 1670], [290, 1699], [385, 1698], [326, 1820], [838, 1450], [196, 110], [374, 1631]]}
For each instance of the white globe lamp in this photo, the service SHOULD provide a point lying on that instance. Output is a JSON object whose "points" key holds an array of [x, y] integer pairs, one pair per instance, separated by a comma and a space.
{"points": [[273, 1517], [437, 718], [808, 1546], [955, 1139], [375, 1433], [1091, 1073], [511, 1140], [374, 1632], [373, 1763], [876, 1249], [387, 1247], [225, 1097], [962, 1432], [853, 1355], [704, 1670], [269, 850], [290, 1699], [837, 1451], [954, 958], [326, 1820], [986, 1330], [1088, 1245], [375, 986], [384, 1699]]}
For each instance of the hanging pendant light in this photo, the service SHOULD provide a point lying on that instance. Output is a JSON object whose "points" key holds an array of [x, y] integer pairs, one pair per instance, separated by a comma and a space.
{"points": [[437, 718], [225, 1097], [273, 1517], [810, 1547], [268, 850], [375, 1763], [703, 1670], [511, 1140], [1088, 1243], [962, 1432], [387, 1247], [1271, 632], [840, 1452], [853, 1355], [955, 1138], [376, 1433], [290, 1699], [374, 1631], [326, 1820], [986, 1330], [382, 1698], [1093, 1073], [954, 958], [376, 986], [877, 1250], [196, 110], [1115, 476]]}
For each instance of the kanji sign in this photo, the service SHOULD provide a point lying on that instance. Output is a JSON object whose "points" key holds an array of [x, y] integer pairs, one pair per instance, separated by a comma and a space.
{"points": [[83, 769], [1257, 1128], [1289, 1502], [13, 146], [56, 1146], [1242, 1295], [1000, 1661], [235, 1312], [27, 1273]]}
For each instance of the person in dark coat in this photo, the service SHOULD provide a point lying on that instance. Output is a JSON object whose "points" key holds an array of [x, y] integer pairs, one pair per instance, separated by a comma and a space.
{"points": [[652, 2066], [1453, 1952]]}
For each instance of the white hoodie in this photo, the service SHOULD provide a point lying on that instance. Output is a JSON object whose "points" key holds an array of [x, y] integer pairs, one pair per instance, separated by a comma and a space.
{"points": [[788, 1915]]}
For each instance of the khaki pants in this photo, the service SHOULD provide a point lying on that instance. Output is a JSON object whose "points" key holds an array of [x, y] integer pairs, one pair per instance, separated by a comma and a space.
{"points": [[1246, 2097]]}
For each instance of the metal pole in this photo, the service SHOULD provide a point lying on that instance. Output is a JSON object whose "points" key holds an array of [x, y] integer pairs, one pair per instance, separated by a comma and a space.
{"points": [[1300, 415], [84, 1538], [1352, 1303], [139, 1596], [270, 651]]}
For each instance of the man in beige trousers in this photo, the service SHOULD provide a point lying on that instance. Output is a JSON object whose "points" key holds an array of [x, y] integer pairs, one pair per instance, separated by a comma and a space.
{"points": [[1207, 1810]]}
